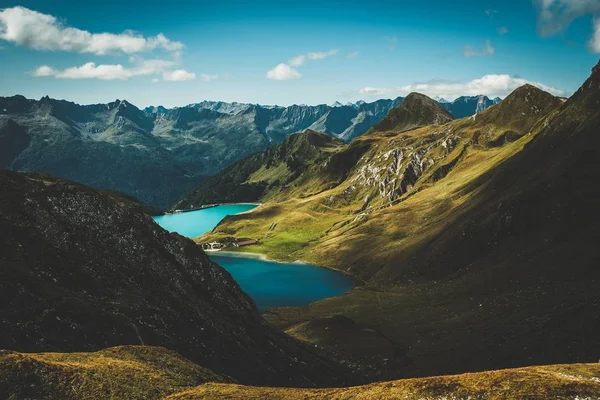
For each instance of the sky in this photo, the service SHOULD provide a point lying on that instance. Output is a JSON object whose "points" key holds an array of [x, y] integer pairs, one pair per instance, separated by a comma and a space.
{"points": [[292, 52]]}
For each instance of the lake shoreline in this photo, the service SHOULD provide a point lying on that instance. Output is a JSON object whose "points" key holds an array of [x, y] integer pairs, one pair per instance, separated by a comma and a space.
{"points": [[206, 206]]}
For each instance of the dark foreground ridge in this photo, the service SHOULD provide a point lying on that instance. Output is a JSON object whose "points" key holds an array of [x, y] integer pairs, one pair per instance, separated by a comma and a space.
{"points": [[82, 270]]}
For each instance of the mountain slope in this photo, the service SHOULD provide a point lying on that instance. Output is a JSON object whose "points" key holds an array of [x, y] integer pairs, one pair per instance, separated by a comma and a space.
{"points": [[485, 222], [414, 111], [263, 175], [81, 270], [576, 381], [132, 372], [117, 146]]}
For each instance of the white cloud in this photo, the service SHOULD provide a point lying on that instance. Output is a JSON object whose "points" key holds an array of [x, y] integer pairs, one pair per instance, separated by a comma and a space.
{"points": [[39, 31], [353, 54], [287, 71], [491, 13], [178, 75], [88, 71], [301, 59], [321, 54], [283, 72], [208, 78], [555, 15], [155, 80], [107, 72], [486, 50], [297, 61], [489, 85], [594, 43], [44, 70], [502, 30]]}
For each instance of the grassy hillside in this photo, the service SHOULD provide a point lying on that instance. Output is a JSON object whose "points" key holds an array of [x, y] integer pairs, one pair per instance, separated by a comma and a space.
{"points": [[486, 222], [414, 111], [281, 168], [144, 372], [576, 381], [379, 174], [124, 372]]}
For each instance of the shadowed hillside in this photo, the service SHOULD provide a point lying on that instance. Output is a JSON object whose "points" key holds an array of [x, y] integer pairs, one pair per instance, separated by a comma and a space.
{"points": [[81, 270]]}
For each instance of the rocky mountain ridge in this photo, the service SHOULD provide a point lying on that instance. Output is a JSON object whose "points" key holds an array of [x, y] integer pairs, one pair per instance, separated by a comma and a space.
{"points": [[158, 154]]}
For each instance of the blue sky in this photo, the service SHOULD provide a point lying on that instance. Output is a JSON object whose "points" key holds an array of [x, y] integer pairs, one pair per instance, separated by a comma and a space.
{"points": [[285, 52]]}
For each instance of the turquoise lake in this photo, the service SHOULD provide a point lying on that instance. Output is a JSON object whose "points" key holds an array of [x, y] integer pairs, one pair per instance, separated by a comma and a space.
{"points": [[195, 223], [269, 283]]}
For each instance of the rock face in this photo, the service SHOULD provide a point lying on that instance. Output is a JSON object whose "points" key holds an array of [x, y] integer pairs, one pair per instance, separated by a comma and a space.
{"points": [[465, 106], [81, 270]]}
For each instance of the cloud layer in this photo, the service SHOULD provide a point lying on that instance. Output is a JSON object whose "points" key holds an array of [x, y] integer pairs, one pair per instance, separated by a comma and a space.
{"points": [[283, 72], [108, 72], [486, 50], [179, 75], [38, 31], [555, 15], [489, 85]]}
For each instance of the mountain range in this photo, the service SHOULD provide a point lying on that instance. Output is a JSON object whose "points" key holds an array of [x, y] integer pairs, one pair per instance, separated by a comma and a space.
{"points": [[158, 154]]}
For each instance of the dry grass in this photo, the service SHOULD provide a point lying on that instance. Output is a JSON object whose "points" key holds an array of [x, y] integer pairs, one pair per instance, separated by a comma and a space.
{"points": [[124, 372], [574, 381]]}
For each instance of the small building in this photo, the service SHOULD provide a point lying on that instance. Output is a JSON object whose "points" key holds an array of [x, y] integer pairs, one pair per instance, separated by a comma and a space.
{"points": [[212, 246], [246, 243]]}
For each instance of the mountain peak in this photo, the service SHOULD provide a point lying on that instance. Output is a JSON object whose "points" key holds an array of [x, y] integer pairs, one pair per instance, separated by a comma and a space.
{"points": [[414, 111], [521, 109]]}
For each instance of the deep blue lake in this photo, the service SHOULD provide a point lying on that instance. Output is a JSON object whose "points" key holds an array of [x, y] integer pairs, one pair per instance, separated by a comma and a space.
{"points": [[273, 284], [269, 283]]}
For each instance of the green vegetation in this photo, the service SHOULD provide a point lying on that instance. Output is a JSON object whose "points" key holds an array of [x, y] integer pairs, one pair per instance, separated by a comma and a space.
{"points": [[474, 239], [266, 175]]}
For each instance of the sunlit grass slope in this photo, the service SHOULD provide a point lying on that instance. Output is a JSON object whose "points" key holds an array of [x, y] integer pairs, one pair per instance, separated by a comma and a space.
{"points": [[573, 382]]}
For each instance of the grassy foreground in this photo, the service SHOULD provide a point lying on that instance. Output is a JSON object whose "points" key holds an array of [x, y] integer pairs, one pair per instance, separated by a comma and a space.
{"points": [[574, 381], [124, 372]]}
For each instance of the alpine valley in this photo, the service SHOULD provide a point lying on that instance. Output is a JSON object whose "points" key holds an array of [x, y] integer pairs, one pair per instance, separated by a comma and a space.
{"points": [[470, 230]]}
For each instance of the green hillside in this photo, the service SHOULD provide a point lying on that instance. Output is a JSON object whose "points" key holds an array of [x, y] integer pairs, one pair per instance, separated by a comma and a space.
{"points": [[487, 222]]}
